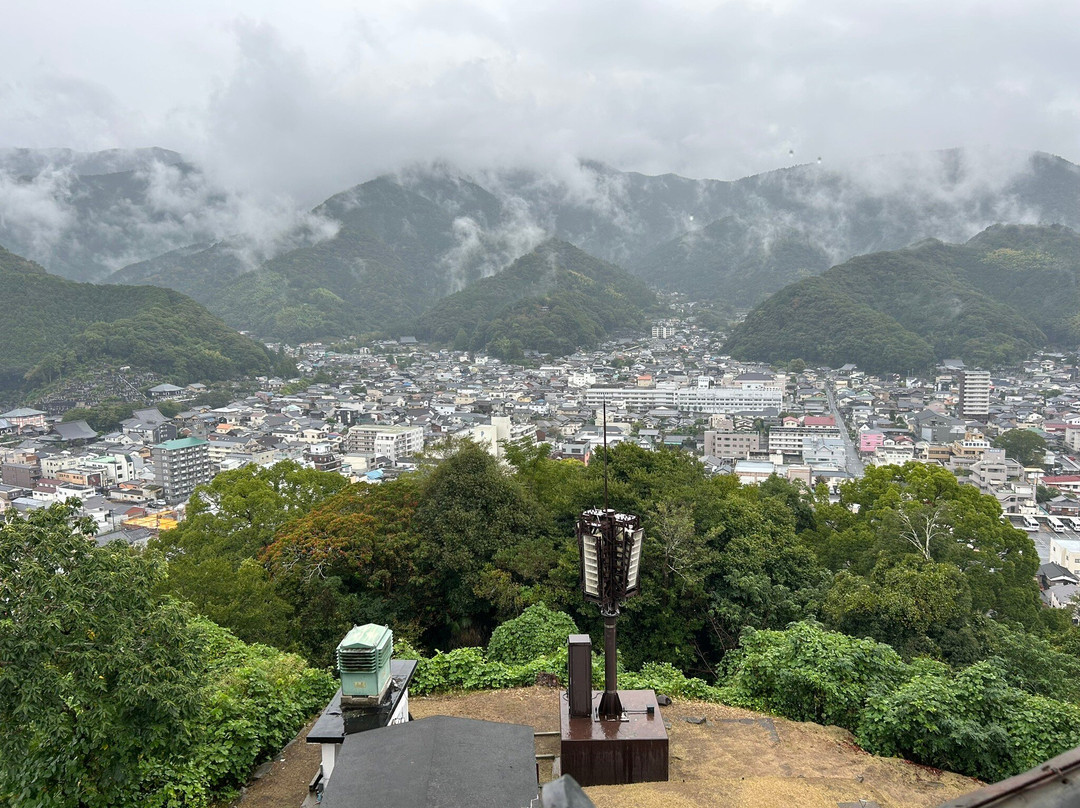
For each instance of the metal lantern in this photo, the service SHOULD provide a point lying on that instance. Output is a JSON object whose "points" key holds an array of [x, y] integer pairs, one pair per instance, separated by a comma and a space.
{"points": [[610, 545]]}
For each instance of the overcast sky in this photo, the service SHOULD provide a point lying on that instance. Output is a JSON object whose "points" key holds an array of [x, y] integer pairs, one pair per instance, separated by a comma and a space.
{"points": [[310, 97]]}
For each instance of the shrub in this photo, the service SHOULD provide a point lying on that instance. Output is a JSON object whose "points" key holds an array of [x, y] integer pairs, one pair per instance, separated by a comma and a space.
{"points": [[255, 700], [809, 674], [972, 722], [665, 678], [538, 631]]}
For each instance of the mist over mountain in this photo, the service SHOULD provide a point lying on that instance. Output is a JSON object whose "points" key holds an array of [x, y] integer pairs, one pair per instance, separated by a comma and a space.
{"points": [[83, 215], [1008, 291], [378, 254]]}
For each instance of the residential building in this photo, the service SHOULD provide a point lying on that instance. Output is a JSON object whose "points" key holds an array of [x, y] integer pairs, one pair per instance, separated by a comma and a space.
{"points": [[391, 441], [321, 457], [1066, 553], [1066, 482], [22, 475], [180, 465], [793, 440], [731, 444], [974, 394]]}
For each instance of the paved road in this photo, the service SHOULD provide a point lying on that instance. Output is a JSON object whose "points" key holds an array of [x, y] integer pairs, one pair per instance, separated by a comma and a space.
{"points": [[854, 463]]}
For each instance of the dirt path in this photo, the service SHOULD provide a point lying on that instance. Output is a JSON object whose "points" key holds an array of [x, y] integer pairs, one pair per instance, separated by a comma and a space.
{"points": [[284, 783], [735, 758]]}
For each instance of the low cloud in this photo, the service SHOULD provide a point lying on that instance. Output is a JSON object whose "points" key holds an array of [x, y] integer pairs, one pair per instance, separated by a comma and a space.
{"points": [[309, 101]]}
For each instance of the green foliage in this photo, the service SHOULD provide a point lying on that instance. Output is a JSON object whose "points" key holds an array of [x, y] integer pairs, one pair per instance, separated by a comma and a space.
{"points": [[973, 723], [663, 677], [93, 664], [809, 674], [482, 540], [254, 700], [147, 705], [105, 417], [972, 563], [538, 631], [908, 604], [897, 311], [553, 300], [1025, 446], [229, 522], [55, 327]]}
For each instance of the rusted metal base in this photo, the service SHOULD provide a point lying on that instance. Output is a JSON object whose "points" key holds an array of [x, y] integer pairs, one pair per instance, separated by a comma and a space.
{"points": [[633, 749]]}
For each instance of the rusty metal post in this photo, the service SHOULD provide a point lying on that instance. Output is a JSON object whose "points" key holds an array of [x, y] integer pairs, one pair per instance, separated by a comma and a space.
{"points": [[610, 704]]}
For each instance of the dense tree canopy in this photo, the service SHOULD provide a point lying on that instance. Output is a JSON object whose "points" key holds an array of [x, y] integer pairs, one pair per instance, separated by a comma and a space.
{"points": [[1025, 446], [984, 301], [113, 695], [96, 672]]}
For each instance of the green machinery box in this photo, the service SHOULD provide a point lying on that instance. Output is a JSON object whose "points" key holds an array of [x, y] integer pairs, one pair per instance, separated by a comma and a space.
{"points": [[363, 660]]}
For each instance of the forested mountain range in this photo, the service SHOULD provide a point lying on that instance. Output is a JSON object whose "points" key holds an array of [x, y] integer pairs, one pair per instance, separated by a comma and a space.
{"points": [[736, 241], [553, 300], [52, 326], [378, 254], [992, 300]]}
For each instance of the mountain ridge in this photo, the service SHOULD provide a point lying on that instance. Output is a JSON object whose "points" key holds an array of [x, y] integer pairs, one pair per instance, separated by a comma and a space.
{"points": [[54, 326], [555, 299], [987, 301]]}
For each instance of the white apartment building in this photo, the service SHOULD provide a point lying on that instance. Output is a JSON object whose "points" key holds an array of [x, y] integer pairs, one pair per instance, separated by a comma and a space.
{"points": [[1066, 552], [796, 439], [494, 436], [728, 399], [974, 394], [713, 400], [631, 398], [581, 379], [118, 468], [394, 442], [54, 464]]}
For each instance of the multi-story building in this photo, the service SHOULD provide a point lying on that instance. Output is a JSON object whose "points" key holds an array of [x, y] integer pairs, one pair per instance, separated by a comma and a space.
{"points": [[728, 399], [180, 465], [663, 330], [24, 417], [731, 444], [793, 440], [321, 457], [23, 475], [688, 399], [632, 398], [391, 441], [974, 394], [118, 468]]}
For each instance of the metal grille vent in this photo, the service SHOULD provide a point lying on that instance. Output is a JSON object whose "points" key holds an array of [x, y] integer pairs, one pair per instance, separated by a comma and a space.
{"points": [[362, 660]]}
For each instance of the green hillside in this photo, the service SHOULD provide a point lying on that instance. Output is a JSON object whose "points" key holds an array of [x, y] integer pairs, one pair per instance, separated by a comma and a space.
{"points": [[388, 261], [404, 241], [52, 326], [555, 299], [1007, 291], [729, 258]]}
